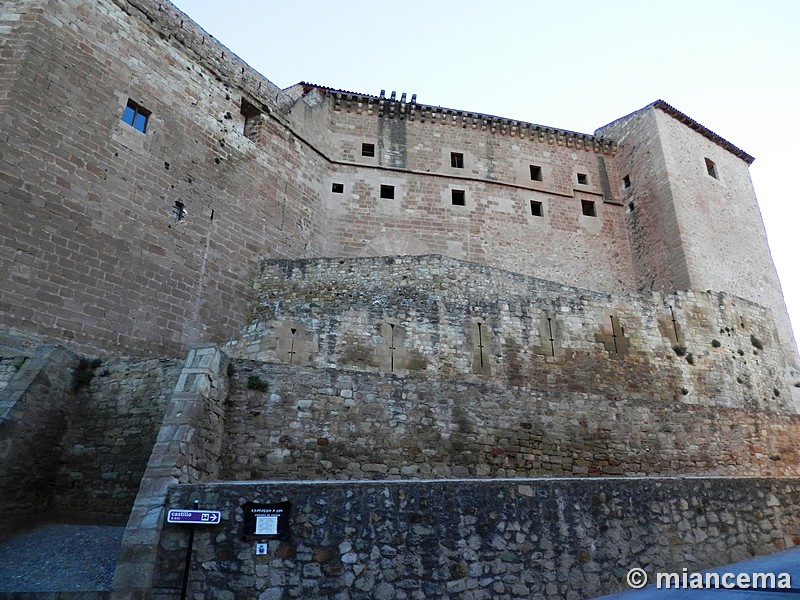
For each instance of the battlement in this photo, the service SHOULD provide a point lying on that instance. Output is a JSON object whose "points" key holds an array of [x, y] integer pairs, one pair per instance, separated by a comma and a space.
{"points": [[392, 108]]}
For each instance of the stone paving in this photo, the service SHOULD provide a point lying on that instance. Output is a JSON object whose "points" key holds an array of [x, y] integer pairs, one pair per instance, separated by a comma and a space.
{"points": [[60, 557]]}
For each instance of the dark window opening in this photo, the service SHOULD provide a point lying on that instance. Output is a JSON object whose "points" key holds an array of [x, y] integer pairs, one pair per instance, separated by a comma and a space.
{"points": [[387, 191], [136, 116], [179, 211], [459, 198], [337, 188], [252, 120], [367, 149], [456, 160], [631, 207], [711, 167], [588, 208], [536, 208], [626, 181], [583, 178], [536, 173]]}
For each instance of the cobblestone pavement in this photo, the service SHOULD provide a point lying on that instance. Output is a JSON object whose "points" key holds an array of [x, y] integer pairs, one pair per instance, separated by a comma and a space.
{"points": [[58, 557]]}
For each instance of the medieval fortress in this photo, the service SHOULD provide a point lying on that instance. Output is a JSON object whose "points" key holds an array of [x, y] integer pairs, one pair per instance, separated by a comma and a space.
{"points": [[481, 358]]}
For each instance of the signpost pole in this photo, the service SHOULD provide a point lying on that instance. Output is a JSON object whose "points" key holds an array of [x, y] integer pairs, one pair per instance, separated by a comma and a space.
{"points": [[196, 504]]}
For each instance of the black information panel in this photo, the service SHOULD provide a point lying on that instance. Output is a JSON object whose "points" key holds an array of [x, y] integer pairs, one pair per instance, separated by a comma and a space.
{"points": [[266, 521]]}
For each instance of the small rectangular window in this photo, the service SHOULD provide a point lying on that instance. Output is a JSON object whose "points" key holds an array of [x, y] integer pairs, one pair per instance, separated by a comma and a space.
{"points": [[456, 160], [459, 198], [711, 167], [178, 211], [536, 208], [536, 173], [252, 120], [135, 116], [387, 191], [583, 178], [588, 208], [337, 188], [367, 149], [626, 181]]}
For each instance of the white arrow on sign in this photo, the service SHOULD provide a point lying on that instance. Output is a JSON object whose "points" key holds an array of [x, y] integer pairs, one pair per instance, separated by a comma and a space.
{"points": [[198, 517]]}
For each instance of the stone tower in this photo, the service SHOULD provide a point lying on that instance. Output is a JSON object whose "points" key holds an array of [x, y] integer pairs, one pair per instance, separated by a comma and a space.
{"points": [[403, 319], [693, 217]]}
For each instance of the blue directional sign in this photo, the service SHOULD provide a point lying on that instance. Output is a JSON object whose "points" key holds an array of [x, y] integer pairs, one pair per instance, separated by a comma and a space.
{"points": [[196, 517]]}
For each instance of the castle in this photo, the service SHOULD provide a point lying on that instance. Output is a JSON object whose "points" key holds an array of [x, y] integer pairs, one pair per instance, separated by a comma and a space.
{"points": [[396, 316]]}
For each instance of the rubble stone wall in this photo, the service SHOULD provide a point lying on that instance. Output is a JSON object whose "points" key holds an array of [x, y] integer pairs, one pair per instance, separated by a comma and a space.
{"points": [[34, 408], [542, 538], [337, 424], [109, 437], [442, 318]]}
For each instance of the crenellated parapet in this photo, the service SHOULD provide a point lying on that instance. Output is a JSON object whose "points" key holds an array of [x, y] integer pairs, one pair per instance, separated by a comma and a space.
{"points": [[393, 108]]}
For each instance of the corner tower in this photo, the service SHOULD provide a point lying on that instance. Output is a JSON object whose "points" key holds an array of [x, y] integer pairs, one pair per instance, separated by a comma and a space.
{"points": [[692, 211]]}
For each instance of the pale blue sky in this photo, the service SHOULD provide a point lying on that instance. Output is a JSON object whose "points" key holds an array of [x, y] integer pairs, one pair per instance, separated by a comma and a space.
{"points": [[575, 64]]}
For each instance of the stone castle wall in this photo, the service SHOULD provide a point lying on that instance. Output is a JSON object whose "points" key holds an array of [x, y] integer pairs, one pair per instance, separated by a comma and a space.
{"points": [[34, 407], [658, 258], [9, 367], [96, 257], [144, 243], [109, 437], [336, 424], [443, 318], [98, 260], [78, 451], [413, 146], [523, 538], [689, 229]]}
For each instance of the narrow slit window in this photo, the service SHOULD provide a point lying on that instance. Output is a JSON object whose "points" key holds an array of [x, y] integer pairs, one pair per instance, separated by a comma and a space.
{"points": [[387, 191], [459, 198], [337, 188], [367, 149], [536, 173], [583, 178], [136, 116], [456, 160], [536, 208], [626, 181], [711, 167], [588, 208]]}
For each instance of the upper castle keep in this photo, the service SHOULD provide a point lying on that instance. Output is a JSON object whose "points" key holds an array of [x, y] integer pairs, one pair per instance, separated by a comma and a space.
{"points": [[313, 284]]}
